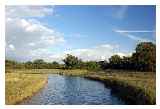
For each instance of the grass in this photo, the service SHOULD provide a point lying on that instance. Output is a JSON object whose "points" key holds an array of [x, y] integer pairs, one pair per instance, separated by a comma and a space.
{"points": [[72, 72], [23, 83], [133, 87], [20, 86]]}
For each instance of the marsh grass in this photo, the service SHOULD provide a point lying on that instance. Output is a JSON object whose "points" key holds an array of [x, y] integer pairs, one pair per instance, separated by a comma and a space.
{"points": [[19, 86], [72, 72], [133, 87], [23, 83]]}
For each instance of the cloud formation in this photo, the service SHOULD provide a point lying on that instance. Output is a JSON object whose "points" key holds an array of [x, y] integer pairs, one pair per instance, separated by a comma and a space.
{"points": [[97, 53], [28, 11], [127, 33], [121, 12], [27, 38], [135, 31]]}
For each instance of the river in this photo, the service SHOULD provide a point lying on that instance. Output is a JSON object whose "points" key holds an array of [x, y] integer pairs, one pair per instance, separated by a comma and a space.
{"points": [[67, 90]]}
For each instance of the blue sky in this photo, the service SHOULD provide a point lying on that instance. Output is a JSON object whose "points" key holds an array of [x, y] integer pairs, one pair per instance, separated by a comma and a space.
{"points": [[89, 32]]}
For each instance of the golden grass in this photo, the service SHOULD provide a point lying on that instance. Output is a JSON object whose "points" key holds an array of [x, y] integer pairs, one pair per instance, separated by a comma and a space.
{"points": [[20, 86], [72, 72], [22, 83]]}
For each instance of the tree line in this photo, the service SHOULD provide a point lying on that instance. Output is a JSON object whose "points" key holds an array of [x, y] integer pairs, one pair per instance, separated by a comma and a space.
{"points": [[143, 59]]}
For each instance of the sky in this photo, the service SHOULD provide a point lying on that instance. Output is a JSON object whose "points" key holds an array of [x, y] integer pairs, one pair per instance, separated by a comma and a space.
{"points": [[89, 32]]}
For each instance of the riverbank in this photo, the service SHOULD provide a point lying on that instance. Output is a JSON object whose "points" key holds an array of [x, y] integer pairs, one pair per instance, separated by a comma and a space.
{"points": [[132, 87], [69, 72], [20, 86], [24, 83]]}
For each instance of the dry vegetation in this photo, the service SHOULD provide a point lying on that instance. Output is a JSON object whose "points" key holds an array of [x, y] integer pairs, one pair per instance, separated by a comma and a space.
{"points": [[23, 83], [137, 87], [20, 86], [72, 72]]}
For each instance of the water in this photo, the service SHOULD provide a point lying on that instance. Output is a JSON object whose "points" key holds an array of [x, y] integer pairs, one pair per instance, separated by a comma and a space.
{"points": [[72, 90]]}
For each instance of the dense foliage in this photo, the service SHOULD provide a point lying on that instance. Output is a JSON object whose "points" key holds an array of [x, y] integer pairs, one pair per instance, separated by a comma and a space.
{"points": [[143, 59], [72, 62], [36, 64]]}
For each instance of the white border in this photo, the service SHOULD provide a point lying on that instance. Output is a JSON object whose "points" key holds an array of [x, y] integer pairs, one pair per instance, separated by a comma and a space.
{"points": [[82, 2], [158, 54], [76, 2], [2, 55]]}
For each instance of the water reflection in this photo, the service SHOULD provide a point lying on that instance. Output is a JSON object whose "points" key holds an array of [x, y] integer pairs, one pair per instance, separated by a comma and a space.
{"points": [[73, 90]]}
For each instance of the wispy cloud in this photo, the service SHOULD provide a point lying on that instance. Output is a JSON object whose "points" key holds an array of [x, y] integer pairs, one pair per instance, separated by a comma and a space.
{"points": [[127, 33], [78, 35], [97, 53], [28, 11], [121, 12], [135, 31]]}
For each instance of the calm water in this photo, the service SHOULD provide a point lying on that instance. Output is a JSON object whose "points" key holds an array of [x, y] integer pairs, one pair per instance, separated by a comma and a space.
{"points": [[73, 90]]}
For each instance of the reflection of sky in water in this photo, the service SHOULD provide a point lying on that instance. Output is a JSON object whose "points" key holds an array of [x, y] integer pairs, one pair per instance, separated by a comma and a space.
{"points": [[73, 90]]}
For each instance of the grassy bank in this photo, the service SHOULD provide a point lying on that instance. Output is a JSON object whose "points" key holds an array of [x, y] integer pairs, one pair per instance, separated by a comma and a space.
{"points": [[72, 72], [23, 83], [20, 86], [133, 87]]}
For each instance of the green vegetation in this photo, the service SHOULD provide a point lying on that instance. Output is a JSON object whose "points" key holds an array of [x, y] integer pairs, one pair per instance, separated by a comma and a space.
{"points": [[132, 77], [20, 86], [143, 59], [133, 87]]}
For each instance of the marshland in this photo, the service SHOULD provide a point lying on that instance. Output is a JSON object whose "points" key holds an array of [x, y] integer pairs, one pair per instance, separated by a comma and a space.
{"points": [[80, 55], [131, 80]]}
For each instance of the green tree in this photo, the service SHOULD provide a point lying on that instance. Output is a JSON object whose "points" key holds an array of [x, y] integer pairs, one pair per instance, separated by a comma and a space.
{"points": [[145, 56], [71, 61], [55, 64], [39, 63], [10, 64], [92, 65], [127, 63], [29, 65], [115, 61]]}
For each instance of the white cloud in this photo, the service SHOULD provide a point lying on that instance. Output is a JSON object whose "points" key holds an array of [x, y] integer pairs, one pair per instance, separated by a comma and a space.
{"points": [[123, 54], [127, 33], [31, 44], [135, 31], [26, 37], [28, 11], [29, 35], [78, 35], [101, 52], [97, 53], [121, 12], [11, 47]]}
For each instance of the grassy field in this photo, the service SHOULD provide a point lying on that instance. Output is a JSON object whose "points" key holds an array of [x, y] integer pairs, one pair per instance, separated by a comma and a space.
{"points": [[137, 87], [74, 72], [20, 86]]}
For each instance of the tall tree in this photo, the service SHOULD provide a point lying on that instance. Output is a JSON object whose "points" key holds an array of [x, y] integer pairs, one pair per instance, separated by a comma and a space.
{"points": [[115, 61], [145, 56], [71, 61], [39, 63]]}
